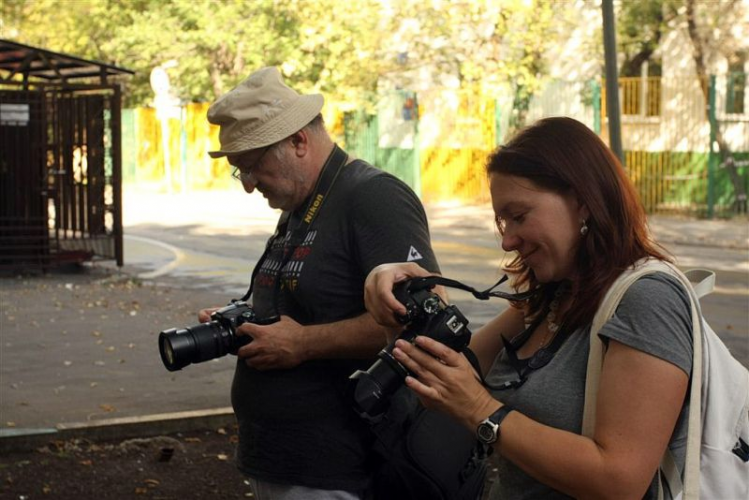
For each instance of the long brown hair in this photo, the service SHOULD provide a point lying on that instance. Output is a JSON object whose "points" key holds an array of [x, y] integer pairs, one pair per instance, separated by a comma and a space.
{"points": [[562, 155]]}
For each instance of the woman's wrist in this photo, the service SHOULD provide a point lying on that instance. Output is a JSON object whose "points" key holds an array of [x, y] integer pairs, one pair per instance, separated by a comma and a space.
{"points": [[482, 411]]}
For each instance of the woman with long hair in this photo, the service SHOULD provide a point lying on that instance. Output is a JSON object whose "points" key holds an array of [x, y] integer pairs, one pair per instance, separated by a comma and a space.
{"points": [[565, 207]]}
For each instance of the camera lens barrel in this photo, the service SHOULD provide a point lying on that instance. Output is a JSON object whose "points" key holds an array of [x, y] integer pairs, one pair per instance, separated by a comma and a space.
{"points": [[373, 388], [182, 347]]}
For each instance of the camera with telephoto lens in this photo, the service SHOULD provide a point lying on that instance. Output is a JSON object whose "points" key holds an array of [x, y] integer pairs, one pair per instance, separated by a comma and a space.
{"points": [[426, 315], [213, 339]]}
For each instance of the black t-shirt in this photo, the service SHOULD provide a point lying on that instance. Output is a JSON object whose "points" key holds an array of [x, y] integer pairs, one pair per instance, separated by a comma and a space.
{"points": [[296, 426]]}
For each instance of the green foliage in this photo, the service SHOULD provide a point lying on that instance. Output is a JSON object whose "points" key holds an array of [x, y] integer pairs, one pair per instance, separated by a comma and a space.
{"points": [[342, 49], [321, 45]]}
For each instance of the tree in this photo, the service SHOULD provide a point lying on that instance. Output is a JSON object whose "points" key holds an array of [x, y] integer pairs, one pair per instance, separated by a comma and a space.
{"points": [[707, 25], [484, 42], [640, 26], [321, 45]]}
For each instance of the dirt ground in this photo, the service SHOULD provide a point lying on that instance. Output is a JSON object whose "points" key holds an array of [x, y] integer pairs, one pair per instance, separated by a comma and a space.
{"points": [[192, 465], [78, 345]]}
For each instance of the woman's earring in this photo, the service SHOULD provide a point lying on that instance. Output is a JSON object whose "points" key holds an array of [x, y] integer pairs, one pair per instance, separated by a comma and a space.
{"points": [[583, 227]]}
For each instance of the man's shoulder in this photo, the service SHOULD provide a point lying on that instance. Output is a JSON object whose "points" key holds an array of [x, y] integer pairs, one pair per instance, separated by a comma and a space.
{"points": [[361, 170], [360, 174]]}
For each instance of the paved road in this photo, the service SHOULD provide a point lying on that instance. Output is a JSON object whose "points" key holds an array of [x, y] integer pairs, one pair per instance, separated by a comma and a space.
{"points": [[214, 239], [81, 347]]}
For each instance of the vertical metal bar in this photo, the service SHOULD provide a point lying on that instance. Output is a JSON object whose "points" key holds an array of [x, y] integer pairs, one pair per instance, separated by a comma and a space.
{"points": [[53, 149], [596, 97], [612, 81], [116, 120], [712, 161], [416, 164], [80, 144]]}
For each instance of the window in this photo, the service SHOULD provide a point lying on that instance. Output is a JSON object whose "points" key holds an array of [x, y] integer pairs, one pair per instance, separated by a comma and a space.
{"points": [[641, 95]]}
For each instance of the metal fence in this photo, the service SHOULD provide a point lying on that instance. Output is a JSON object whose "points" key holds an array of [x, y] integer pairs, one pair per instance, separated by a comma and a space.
{"points": [[438, 140], [60, 175]]}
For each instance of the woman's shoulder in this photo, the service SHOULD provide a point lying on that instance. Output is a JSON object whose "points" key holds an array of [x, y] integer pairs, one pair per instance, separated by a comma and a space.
{"points": [[655, 316], [657, 289]]}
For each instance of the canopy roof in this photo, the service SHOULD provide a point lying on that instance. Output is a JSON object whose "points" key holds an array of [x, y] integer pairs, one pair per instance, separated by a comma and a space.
{"points": [[54, 67]]}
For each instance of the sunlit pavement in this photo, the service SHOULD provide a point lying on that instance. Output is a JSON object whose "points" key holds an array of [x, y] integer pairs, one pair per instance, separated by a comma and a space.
{"points": [[82, 349], [215, 238]]}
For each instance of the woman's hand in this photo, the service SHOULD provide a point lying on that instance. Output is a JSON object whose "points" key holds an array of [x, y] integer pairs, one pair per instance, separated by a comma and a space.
{"points": [[445, 381], [378, 290], [204, 316]]}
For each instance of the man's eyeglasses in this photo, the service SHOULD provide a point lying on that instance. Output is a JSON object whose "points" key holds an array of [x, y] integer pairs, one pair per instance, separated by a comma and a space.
{"points": [[237, 173]]}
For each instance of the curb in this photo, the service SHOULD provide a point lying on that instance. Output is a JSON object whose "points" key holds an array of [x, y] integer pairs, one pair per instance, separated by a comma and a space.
{"points": [[20, 440]]}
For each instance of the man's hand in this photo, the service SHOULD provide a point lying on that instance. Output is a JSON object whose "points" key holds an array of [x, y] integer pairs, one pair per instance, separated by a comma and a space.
{"points": [[281, 345]]}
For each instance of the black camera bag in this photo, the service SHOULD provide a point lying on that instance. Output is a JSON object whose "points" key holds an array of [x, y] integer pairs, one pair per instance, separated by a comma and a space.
{"points": [[423, 454]]}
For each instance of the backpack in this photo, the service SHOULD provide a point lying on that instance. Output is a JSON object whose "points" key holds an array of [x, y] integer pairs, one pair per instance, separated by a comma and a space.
{"points": [[717, 459], [424, 455]]}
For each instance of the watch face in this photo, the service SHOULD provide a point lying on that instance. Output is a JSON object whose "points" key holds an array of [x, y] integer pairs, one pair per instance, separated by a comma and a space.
{"points": [[487, 432]]}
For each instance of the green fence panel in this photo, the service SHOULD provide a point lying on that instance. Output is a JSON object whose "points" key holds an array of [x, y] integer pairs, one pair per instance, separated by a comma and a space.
{"points": [[129, 146]]}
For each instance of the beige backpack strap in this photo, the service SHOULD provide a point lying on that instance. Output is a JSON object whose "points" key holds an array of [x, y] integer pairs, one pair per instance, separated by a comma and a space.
{"points": [[595, 357], [704, 283]]}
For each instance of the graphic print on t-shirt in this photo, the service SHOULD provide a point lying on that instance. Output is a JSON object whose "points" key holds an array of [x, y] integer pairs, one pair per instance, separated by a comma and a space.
{"points": [[293, 268], [413, 255]]}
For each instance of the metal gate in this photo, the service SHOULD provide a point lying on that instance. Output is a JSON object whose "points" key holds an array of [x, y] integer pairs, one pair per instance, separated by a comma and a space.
{"points": [[60, 175]]}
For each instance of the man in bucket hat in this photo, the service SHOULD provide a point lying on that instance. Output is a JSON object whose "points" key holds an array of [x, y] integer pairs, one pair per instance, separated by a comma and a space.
{"points": [[298, 434]]}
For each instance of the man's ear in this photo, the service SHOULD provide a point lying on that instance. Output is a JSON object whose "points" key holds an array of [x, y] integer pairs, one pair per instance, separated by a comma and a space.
{"points": [[300, 142]]}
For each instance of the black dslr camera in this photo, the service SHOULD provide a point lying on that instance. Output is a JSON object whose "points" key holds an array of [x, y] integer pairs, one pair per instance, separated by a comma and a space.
{"points": [[427, 315], [206, 341]]}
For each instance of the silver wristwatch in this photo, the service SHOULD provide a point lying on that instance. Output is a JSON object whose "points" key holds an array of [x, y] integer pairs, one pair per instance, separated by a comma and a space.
{"points": [[488, 430]]}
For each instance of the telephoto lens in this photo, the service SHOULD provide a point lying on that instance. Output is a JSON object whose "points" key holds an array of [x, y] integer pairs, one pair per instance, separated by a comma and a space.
{"points": [[180, 347]]}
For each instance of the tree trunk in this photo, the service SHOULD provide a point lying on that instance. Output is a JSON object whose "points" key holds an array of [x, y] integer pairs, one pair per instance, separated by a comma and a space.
{"points": [[726, 157]]}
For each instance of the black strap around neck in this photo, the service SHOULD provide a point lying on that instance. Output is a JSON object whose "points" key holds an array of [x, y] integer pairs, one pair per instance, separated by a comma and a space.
{"points": [[540, 358], [329, 174]]}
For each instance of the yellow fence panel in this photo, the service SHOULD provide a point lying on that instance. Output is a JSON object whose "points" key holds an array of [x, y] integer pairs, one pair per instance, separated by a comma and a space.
{"points": [[457, 131]]}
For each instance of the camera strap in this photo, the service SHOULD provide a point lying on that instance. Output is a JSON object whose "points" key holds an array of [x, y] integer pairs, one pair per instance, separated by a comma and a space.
{"points": [[540, 358], [329, 174], [430, 281]]}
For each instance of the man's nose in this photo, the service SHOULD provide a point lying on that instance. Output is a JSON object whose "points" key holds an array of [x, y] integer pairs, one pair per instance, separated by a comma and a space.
{"points": [[249, 183]]}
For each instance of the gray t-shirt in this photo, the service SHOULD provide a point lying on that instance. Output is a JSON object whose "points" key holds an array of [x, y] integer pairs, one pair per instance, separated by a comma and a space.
{"points": [[654, 317]]}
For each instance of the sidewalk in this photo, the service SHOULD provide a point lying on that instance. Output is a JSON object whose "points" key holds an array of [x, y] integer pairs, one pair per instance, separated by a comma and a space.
{"points": [[79, 356]]}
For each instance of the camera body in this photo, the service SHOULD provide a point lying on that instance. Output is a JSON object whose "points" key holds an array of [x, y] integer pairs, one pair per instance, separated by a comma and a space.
{"points": [[213, 339], [426, 315]]}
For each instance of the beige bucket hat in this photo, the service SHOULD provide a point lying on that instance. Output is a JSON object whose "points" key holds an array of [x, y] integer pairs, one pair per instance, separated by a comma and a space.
{"points": [[259, 112]]}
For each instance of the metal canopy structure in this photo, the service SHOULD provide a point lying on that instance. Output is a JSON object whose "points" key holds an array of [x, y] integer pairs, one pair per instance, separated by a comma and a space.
{"points": [[61, 158], [53, 67]]}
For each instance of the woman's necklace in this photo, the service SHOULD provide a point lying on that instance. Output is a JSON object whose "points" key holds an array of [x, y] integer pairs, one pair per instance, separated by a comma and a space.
{"points": [[551, 316]]}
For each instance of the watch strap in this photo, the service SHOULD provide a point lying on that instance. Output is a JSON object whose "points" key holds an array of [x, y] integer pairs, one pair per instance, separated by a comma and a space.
{"points": [[496, 418]]}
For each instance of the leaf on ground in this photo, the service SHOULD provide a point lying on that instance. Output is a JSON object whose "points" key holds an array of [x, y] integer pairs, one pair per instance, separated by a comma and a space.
{"points": [[107, 408], [223, 457]]}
